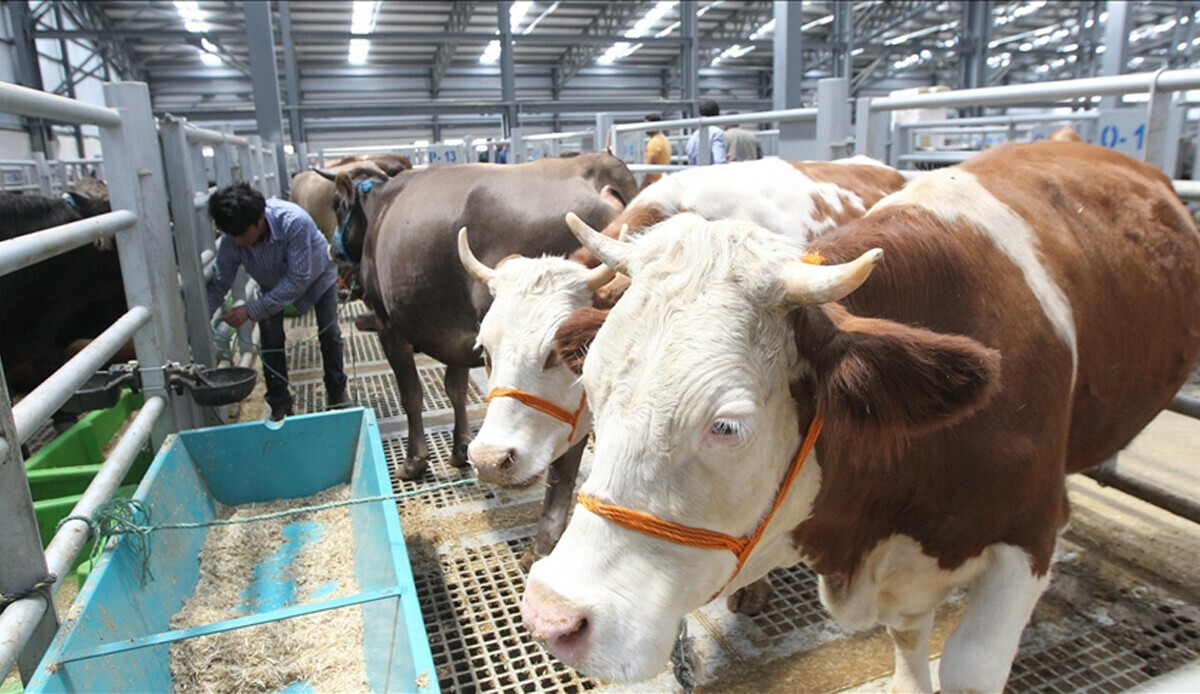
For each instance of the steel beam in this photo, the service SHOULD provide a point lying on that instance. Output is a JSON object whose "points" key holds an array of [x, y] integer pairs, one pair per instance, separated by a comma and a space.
{"points": [[508, 79], [1116, 45], [295, 118], [789, 75], [689, 59], [260, 38], [28, 71]]}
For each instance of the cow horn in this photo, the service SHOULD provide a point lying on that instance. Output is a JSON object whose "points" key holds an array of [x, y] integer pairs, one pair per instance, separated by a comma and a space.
{"points": [[474, 268], [805, 284], [610, 251], [325, 174]]}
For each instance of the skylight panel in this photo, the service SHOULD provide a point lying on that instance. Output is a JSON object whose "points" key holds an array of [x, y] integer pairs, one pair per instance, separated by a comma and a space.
{"points": [[516, 13], [362, 23]]}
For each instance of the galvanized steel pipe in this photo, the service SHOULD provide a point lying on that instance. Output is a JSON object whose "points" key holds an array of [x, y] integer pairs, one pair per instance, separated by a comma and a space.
{"points": [[73, 535], [1044, 91], [213, 137], [37, 407], [26, 250], [786, 115], [38, 104], [19, 619]]}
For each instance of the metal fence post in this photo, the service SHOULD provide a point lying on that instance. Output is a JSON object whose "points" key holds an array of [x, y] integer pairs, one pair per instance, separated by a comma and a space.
{"points": [[24, 562], [181, 190], [833, 117], [872, 131], [43, 174], [252, 156], [147, 255]]}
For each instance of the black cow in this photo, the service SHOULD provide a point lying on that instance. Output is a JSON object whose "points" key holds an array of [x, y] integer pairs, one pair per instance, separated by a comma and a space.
{"points": [[74, 295]]}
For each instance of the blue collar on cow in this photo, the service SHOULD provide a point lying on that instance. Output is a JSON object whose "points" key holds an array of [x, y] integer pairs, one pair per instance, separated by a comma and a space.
{"points": [[70, 200], [339, 235]]}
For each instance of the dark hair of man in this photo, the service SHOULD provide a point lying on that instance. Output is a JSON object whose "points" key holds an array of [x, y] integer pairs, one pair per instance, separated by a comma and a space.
{"points": [[236, 208], [652, 117], [709, 108]]}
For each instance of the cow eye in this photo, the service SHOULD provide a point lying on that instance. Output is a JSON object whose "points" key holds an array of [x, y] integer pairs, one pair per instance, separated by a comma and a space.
{"points": [[551, 360], [723, 428], [487, 362]]}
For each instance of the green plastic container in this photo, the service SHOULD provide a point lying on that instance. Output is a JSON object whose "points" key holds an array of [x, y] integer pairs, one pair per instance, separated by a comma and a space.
{"points": [[60, 472]]}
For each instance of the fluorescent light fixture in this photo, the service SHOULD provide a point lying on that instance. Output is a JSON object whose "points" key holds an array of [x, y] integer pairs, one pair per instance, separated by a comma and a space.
{"points": [[362, 20], [516, 12], [763, 31], [651, 18], [210, 59], [491, 54], [617, 51], [358, 51], [193, 16], [817, 22], [734, 51]]}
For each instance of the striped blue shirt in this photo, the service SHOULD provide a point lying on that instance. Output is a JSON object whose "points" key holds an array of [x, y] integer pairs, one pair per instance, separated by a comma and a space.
{"points": [[292, 266]]}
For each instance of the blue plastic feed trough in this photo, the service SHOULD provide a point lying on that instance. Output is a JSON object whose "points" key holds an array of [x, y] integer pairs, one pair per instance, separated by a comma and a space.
{"points": [[117, 637]]}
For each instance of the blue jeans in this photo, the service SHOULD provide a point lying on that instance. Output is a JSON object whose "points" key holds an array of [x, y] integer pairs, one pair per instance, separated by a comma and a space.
{"points": [[275, 358]]}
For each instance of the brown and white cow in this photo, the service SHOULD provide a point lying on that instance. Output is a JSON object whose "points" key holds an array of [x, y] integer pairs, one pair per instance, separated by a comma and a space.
{"points": [[538, 410], [403, 232], [1031, 310]]}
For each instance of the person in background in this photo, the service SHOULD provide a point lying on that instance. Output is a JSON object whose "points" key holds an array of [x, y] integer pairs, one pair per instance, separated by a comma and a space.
{"points": [[281, 248], [658, 149], [740, 143], [716, 137], [501, 155]]}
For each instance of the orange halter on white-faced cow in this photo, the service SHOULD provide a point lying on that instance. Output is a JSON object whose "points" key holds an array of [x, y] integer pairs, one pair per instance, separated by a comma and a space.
{"points": [[537, 407], [974, 368]]}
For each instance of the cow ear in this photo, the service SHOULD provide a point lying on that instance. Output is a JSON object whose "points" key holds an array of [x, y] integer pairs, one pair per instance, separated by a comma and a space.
{"points": [[574, 337], [883, 377], [606, 297], [507, 258]]}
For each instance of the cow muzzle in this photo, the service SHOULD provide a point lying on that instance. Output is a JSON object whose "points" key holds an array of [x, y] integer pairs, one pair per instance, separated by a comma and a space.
{"points": [[496, 465]]}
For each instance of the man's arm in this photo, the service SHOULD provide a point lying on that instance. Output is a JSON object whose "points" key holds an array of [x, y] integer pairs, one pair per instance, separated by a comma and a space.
{"points": [[226, 270]]}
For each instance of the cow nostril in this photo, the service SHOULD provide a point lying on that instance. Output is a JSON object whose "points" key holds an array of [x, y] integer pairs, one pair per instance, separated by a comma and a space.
{"points": [[507, 463]]}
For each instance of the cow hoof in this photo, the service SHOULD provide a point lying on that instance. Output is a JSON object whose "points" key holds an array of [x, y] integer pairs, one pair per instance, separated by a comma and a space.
{"points": [[750, 600], [459, 457], [414, 468]]}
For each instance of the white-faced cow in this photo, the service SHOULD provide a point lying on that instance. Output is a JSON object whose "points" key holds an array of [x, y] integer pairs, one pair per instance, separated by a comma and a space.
{"points": [[536, 408], [404, 232], [903, 433]]}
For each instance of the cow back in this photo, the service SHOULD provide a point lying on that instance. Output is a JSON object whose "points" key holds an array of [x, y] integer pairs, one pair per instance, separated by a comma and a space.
{"points": [[411, 271]]}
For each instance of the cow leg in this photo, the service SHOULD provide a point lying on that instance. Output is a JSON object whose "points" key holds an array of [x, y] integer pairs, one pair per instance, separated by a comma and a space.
{"points": [[456, 389], [912, 655], [752, 599], [979, 653], [400, 355], [556, 508]]}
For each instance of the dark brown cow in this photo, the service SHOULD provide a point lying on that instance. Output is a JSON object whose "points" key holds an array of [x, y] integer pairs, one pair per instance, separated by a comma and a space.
{"points": [[1032, 310], [404, 231]]}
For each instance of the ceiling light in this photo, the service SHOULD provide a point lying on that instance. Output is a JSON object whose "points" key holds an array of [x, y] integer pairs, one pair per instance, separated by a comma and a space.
{"points": [[193, 16], [358, 51], [210, 59], [491, 54], [362, 20]]}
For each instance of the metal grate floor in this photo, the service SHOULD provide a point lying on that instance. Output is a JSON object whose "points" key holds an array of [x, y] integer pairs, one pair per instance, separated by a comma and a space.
{"points": [[465, 543]]}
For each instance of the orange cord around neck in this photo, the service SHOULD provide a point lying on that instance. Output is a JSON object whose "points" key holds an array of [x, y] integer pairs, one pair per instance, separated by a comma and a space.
{"points": [[702, 538]]}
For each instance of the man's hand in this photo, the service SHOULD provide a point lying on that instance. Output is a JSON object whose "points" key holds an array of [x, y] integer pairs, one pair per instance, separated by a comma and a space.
{"points": [[237, 316]]}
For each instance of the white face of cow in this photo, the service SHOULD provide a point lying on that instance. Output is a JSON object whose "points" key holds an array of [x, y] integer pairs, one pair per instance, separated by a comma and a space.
{"points": [[517, 442], [694, 423]]}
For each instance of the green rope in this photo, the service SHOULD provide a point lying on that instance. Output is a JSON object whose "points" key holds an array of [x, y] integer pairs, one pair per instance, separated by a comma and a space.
{"points": [[132, 517]]}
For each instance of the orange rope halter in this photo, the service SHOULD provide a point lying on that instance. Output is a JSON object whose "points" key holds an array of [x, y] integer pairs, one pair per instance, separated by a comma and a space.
{"points": [[701, 537], [542, 405]]}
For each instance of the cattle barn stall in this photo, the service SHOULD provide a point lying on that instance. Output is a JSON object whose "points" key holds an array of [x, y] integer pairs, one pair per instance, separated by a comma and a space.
{"points": [[1123, 608], [156, 291]]}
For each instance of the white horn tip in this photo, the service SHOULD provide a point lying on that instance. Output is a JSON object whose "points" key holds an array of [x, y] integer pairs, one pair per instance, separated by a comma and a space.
{"points": [[624, 235], [872, 256]]}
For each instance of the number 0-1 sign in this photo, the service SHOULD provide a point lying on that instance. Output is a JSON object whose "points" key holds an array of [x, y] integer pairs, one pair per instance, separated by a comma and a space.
{"points": [[1127, 131]]}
